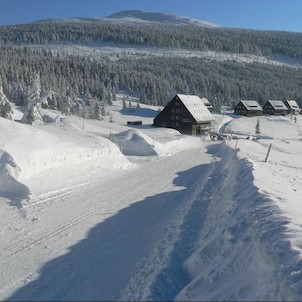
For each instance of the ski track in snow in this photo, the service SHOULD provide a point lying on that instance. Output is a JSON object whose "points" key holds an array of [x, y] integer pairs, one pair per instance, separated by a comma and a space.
{"points": [[95, 203], [191, 223], [240, 236], [235, 259]]}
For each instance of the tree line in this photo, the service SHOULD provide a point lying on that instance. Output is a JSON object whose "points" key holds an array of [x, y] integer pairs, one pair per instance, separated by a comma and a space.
{"points": [[268, 43], [82, 86]]}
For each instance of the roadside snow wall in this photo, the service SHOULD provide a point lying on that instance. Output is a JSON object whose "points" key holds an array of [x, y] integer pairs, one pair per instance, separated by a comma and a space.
{"points": [[231, 244]]}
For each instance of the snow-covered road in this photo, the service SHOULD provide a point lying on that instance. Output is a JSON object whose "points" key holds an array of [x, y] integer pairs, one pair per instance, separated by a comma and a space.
{"points": [[191, 226], [48, 226], [193, 219]]}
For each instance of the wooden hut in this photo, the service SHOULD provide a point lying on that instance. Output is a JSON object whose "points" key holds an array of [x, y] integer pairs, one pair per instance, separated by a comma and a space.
{"points": [[275, 107], [185, 113], [207, 104], [248, 108], [292, 107]]}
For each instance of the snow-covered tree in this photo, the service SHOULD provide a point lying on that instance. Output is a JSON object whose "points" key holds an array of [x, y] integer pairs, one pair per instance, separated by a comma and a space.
{"points": [[6, 109], [35, 100]]}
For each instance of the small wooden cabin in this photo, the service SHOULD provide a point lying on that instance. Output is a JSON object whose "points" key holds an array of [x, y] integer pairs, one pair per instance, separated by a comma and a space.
{"points": [[275, 107], [248, 108], [292, 106], [185, 113], [207, 104]]}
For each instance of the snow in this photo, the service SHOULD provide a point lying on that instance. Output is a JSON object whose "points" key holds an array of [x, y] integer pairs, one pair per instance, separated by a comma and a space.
{"points": [[196, 107], [116, 51], [100, 210]]}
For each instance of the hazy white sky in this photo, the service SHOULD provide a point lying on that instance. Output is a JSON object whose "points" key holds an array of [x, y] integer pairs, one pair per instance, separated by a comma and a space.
{"points": [[256, 14]]}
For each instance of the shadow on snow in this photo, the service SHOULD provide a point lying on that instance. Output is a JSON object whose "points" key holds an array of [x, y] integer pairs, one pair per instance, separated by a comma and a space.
{"points": [[100, 266]]}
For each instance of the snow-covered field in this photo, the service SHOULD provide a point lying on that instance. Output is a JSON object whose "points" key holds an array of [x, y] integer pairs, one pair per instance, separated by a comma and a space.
{"points": [[95, 210], [115, 51]]}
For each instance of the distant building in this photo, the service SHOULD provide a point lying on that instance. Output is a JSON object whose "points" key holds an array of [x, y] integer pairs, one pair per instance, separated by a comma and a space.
{"points": [[185, 113], [248, 108], [292, 106], [275, 107], [207, 104]]}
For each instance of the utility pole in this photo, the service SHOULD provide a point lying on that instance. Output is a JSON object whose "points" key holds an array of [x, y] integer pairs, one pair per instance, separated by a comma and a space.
{"points": [[269, 149]]}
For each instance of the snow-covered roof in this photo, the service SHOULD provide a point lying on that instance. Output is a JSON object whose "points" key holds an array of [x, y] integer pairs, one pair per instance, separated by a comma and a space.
{"points": [[293, 104], [251, 105], [205, 101], [277, 105], [196, 107]]}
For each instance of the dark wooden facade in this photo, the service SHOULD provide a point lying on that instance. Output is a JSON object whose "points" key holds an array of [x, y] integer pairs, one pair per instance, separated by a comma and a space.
{"points": [[187, 114], [248, 108], [292, 107], [274, 107]]}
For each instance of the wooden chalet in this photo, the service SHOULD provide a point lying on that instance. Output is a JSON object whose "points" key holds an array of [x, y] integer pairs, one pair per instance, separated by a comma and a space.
{"points": [[207, 104], [292, 107], [274, 107], [185, 113], [248, 108]]}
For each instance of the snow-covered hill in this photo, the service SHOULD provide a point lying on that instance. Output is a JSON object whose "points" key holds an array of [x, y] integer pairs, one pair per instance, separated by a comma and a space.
{"points": [[142, 16], [138, 17], [100, 210], [115, 51]]}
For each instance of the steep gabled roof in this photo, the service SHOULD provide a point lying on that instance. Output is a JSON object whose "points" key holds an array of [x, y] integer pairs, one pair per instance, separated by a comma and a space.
{"points": [[207, 103], [293, 104], [251, 105], [277, 105], [196, 107]]}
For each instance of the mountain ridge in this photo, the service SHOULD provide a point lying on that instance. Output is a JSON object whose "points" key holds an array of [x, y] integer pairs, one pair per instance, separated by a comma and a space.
{"points": [[137, 16], [159, 18]]}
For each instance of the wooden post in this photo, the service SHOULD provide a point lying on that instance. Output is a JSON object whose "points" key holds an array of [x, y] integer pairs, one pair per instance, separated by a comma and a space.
{"points": [[269, 149]]}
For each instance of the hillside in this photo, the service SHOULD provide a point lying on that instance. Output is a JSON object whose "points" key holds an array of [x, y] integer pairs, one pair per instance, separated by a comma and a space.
{"points": [[142, 16], [98, 210], [86, 62]]}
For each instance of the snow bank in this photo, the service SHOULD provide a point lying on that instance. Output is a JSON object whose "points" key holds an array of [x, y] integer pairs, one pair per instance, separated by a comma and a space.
{"points": [[231, 244], [34, 149], [133, 142], [138, 143], [9, 187]]}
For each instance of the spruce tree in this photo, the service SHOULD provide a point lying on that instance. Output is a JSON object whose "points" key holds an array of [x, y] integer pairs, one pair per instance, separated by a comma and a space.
{"points": [[6, 109]]}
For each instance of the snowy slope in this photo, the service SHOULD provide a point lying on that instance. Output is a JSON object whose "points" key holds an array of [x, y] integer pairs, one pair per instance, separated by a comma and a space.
{"points": [[142, 16], [117, 212], [138, 17]]}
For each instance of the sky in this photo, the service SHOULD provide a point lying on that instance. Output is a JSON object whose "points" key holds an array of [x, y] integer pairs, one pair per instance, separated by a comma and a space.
{"points": [[254, 14]]}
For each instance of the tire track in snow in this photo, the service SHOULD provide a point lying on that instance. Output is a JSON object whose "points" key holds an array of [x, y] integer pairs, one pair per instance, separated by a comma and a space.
{"points": [[231, 245], [91, 201]]}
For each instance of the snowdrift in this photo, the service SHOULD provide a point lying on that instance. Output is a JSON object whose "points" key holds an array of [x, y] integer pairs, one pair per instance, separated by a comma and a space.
{"points": [[10, 188], [134, 142], [32, 149]]}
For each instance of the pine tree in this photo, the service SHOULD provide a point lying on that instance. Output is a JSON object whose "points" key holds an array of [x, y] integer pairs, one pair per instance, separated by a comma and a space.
{"points": [[35, 99], [6, 109]]}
